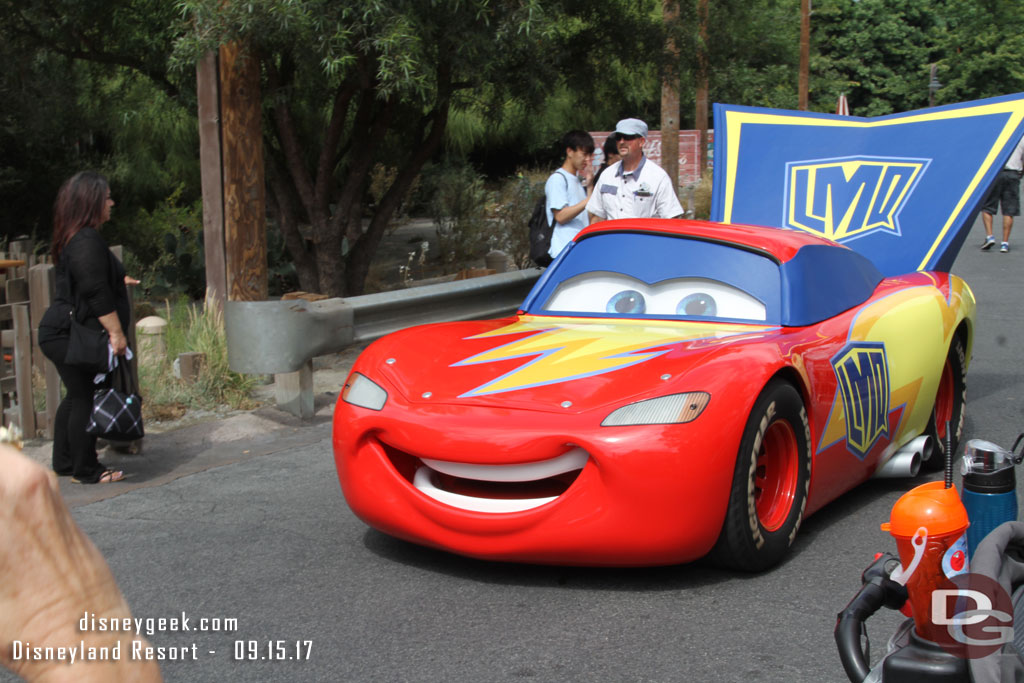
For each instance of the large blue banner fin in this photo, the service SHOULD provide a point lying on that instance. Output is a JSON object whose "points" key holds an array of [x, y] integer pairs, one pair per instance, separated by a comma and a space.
{"points": [[901, 189]]}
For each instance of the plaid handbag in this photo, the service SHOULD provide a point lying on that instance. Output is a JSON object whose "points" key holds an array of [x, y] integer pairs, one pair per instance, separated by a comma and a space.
{"points": [[117, 411]]}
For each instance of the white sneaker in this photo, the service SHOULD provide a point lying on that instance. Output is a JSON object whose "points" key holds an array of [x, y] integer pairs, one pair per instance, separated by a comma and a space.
{"points": [[1004, 247]]}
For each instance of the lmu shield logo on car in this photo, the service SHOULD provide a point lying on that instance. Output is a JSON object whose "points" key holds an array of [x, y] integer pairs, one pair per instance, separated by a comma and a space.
{"points": [[845, 198], [862, 371]]}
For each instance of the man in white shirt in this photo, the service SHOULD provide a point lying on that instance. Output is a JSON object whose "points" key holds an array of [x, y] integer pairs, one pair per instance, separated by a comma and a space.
{"points": [[568, 188], [1006, 190], [634, 187]]}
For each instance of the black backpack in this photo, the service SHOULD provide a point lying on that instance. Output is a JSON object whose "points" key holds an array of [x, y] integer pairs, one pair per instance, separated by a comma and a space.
{"points": [[540, 231]]}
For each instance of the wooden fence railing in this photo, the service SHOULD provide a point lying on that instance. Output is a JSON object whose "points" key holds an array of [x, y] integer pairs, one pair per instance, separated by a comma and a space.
{"points": [[29, 383]]}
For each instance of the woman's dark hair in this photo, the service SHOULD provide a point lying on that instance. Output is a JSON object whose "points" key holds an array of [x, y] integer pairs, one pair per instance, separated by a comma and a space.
{"points": [[79, 204], [611, 146]]}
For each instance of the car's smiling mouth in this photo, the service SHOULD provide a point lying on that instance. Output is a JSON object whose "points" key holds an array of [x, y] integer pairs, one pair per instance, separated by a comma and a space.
{"points": [[495, 488]]}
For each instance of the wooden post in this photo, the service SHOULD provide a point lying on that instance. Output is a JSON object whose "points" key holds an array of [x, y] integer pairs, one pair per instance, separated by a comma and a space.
{"points": [[190, 364], [670, 96], [702, 86], [210, 162], [21, 249], [245, 239], [42, 282], [23, 370]]}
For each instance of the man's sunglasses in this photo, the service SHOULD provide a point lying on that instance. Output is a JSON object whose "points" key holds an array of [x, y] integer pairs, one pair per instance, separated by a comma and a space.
{"points": [[628, 138]]}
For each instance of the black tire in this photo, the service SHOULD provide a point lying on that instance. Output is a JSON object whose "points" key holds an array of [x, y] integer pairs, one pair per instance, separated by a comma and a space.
{"points": [[950, 404], [775, 453]]}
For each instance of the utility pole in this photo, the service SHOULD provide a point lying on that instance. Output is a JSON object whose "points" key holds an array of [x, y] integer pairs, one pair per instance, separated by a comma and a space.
{"points": [[245, 214], [670, 95], [702, 86], [231, 163], [805, 53], [210, 162]]}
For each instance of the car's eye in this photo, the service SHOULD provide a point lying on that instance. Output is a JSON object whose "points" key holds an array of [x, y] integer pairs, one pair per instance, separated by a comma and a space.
{"points": [[626, 301], [698, 303]]}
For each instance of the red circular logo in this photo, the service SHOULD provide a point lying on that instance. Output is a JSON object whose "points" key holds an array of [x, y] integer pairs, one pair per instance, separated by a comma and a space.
{"points": [[973, 617], [958, 560]]}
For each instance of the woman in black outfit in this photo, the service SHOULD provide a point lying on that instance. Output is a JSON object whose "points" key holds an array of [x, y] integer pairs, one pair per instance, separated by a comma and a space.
{"points": [[91, 283]]}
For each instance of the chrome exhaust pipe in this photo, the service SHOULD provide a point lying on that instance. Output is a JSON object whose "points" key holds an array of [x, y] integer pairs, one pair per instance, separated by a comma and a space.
{"points": [[925, 445], [906, 462]]}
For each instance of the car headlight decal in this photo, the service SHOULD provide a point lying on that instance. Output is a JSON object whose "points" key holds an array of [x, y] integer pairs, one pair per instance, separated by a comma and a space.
{"points": [[364, 392], [672, 409]]}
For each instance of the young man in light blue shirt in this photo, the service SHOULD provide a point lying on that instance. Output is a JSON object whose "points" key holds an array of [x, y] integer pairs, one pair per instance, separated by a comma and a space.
{"points": [[568, 189]]}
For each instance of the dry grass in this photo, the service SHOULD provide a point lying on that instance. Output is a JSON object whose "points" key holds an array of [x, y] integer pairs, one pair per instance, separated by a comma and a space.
{"points": [[199, 329]]}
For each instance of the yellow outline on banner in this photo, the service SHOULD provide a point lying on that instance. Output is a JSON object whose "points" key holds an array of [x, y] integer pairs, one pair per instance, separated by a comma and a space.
{"points": [[736, 119]]}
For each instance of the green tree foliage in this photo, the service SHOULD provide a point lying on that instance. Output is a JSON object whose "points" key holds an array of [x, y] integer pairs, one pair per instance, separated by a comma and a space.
{"points": [[85, 85], [876, 51], [353, 85], [350, 84], [753, 53], [984, 50]]}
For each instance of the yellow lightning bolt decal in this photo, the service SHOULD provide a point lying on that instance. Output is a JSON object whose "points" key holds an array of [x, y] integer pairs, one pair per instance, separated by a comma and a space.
{"points": [[563, 349], [915, 377]]}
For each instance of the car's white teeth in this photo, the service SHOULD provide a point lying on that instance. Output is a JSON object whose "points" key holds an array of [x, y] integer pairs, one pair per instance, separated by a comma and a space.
{"points": [[423, 482], [533, 471]]}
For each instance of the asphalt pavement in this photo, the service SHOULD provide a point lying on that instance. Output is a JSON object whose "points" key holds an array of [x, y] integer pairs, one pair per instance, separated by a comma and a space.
{"points": [[243, 519]]}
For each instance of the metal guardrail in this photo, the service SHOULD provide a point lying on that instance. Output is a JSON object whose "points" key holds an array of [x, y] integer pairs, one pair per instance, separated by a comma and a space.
{"points": [[282, 336]]}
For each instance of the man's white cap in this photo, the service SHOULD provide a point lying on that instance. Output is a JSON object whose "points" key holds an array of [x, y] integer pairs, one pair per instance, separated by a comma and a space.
{"points": [[631, 127]]}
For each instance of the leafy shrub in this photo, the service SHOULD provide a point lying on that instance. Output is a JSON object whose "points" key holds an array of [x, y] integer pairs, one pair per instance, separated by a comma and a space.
{"points": [[166, 247], [459, 210], [702, 197], [514, 202]]}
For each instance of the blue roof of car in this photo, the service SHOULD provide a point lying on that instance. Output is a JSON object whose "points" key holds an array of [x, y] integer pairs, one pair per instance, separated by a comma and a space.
{"points": [[818, 282]]}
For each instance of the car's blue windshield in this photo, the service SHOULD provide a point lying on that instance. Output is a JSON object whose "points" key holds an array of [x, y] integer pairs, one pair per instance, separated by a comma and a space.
{"points": [[645, 275]]}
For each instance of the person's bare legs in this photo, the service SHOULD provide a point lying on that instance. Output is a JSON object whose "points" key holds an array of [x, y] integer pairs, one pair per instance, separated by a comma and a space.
{"points": [[986, 220]]}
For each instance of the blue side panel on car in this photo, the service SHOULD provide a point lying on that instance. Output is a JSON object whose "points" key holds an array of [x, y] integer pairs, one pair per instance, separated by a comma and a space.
{"points": [[822, 281]]}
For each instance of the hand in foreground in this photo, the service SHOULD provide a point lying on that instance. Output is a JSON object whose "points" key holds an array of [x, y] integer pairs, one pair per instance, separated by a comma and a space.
{"points": [[53, 575], [130, 281]]}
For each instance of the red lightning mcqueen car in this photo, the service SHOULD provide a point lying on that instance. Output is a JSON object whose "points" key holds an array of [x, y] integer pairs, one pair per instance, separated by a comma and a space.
{"points": [[669, 389]]}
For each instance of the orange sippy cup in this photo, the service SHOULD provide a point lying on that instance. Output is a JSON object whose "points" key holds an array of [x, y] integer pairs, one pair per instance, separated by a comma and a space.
{"points": [[929, 524]]}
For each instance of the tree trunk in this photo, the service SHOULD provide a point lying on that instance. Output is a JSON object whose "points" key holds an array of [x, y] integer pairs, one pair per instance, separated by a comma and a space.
{"points": [[701, 113], [670, 96], [282, 209]]}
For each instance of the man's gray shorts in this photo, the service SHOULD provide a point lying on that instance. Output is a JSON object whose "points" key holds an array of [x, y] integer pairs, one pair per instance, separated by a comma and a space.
{"points": [[1006, 191]]}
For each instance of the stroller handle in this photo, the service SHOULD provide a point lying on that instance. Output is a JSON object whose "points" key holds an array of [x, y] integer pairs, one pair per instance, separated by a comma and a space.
{"points": [[877, 591]]}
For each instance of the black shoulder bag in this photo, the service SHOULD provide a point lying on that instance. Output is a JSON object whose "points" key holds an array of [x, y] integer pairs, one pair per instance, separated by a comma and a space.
{"points": [[88, 348], [541, 231], [117, 411]]}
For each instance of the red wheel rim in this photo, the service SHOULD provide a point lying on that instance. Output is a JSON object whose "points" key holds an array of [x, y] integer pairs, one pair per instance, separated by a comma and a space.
{"points": [[775, 476], [944, 400]]}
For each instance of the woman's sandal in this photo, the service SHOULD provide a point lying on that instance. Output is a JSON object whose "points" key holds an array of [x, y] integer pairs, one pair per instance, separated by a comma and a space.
{"points": [[106, 477]]}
